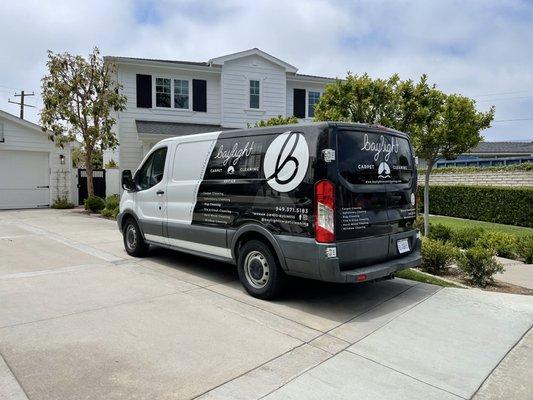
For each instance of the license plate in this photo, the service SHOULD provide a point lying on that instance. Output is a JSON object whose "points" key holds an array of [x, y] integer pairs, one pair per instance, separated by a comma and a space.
{"points": [[403, 245]]}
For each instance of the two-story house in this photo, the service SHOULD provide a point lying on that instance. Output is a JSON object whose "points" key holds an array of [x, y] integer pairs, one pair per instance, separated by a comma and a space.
{"points": [[171, 98]]}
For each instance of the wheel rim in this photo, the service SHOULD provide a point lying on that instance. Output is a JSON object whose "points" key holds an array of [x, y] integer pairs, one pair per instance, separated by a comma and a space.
{"points": [[131, 237], [256, 269]]}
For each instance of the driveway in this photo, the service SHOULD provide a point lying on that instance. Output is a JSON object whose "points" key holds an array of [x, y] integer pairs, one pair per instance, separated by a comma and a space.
{"points": [[81, 319]]}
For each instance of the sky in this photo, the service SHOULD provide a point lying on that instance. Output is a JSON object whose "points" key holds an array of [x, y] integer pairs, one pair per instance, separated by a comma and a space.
{"points": [[479, 48]]}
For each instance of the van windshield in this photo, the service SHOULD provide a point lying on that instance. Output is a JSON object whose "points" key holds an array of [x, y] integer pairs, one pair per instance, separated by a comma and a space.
{"points": [[373, 158]]}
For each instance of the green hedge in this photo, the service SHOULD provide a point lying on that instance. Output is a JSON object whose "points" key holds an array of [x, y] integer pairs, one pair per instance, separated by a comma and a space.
{"points": [[503, 205], [527, 166]]}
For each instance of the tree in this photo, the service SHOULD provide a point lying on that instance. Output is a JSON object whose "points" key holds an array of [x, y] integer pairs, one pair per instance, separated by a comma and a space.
{"points": [[452, 126], [78, 158], [79, 97], [440, 125], [279, 120]]}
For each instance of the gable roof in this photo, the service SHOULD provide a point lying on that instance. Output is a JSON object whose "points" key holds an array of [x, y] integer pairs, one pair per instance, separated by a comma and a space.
{"points": [[251, 52], [503, 148], [23, 122]]}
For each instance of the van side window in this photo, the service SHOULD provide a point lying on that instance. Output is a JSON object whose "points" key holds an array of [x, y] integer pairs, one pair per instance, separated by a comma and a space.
{"points": [[151, 173], [189, 164]]}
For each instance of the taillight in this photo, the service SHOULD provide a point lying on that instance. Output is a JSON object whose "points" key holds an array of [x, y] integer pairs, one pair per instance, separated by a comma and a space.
{"points": [[324, 212]]}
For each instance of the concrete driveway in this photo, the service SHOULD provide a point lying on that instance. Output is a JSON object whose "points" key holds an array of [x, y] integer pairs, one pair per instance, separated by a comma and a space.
{"points": [[79, 319]]}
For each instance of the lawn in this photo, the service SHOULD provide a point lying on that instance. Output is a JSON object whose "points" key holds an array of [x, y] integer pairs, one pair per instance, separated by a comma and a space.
{"points": [[463, 223], [415, 275]]}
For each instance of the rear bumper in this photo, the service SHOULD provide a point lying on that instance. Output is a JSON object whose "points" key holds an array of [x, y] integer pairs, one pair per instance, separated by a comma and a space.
{"points": [[306, 258]]}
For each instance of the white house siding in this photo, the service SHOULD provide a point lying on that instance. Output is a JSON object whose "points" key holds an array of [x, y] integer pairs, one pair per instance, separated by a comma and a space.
{"points": [[25, 136], [132, 148], [308, 86], [236, 75]]}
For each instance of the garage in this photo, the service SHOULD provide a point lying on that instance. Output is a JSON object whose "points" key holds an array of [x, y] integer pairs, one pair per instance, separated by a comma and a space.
{"points": [[24, 179], [33, 171]]}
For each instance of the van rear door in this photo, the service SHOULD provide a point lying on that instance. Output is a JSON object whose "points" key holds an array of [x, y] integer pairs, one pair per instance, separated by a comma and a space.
{"points": [[375, 191]]}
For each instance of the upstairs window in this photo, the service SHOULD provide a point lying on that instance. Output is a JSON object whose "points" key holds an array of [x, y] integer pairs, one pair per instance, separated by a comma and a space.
{"points": [[312, 99], [162, 92], [254, 94], [181, 93]]}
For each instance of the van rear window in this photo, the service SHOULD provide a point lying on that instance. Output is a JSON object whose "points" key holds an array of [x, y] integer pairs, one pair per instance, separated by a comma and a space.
{"points": [[373, 158]]}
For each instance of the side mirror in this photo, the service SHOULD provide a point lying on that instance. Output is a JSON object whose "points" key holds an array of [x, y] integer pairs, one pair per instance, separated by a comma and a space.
{"points": [[127, 181]]}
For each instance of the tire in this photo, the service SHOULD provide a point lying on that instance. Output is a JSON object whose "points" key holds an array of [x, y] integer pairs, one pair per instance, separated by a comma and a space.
{"points": [[259, 271], [133, 240]]}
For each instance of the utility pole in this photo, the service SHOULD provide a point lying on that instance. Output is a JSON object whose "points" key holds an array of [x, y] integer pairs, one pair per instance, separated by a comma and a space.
{"points": [[22, 95]]}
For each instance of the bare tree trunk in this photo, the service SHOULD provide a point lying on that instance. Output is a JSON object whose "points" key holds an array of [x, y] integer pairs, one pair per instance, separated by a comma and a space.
{"points": [[426, 197], [89, 171]]}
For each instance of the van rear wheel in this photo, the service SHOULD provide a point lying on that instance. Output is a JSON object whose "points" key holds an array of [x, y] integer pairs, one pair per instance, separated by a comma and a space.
{"points": [[259, 270], [133, 240]]}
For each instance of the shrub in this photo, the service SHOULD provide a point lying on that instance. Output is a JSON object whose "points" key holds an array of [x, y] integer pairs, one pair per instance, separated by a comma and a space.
{"points": [[504, 205], [524, 248], [440, 232], [112, 202], [437, 256], [111, 164], [94, 204], [106, 212], [62, 203], [503, 244], [467, 237], [480, 266]]}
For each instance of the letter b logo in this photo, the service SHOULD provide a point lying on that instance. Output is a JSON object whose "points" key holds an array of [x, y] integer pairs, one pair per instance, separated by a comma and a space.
{"points": [[286, 161]]}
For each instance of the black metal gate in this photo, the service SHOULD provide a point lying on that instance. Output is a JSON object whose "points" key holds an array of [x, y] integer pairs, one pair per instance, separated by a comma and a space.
{"points": [[98, 183]]}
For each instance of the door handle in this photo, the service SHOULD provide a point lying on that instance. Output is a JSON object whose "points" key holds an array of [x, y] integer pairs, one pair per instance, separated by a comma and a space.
{"points": [[159, 192]]}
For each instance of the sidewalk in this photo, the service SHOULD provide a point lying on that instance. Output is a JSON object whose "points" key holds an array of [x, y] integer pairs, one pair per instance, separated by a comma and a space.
{"points": [[516, 273]]}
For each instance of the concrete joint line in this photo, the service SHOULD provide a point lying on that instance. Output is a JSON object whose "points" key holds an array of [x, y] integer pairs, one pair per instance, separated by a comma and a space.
{"points": [[21, 395], [49, 271], [499, 362], [404, 374], [103, 255]]}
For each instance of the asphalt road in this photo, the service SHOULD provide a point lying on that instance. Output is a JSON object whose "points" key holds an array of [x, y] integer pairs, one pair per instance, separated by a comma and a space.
{"points": [[79, 319]]}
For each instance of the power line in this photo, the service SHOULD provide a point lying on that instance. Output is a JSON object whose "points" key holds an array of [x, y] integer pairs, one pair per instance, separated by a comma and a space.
{"points": [[515, 119], [500, 93]]}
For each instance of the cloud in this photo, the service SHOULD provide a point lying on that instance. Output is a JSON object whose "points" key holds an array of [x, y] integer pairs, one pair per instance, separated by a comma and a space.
{"points": [[474, 48]]}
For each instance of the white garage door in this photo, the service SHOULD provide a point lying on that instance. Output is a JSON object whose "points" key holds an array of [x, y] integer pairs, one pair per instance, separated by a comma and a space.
{"points": [[24, 179]]}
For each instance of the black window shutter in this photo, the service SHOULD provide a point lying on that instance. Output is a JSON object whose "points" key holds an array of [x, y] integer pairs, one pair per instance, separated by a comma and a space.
{"points": [[144, 91], [199, 95], [299, 103]]}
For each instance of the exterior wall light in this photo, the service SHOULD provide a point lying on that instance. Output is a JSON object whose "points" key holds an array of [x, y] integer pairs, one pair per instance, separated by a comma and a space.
{"points": [[61, 159]]}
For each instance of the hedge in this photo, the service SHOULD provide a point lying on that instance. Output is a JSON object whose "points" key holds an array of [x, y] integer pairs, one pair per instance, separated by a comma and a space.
{"points": [[504, 205]]}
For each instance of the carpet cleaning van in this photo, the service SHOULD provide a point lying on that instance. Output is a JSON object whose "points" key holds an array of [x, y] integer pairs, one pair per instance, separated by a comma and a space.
{"points": [[327, 201]]}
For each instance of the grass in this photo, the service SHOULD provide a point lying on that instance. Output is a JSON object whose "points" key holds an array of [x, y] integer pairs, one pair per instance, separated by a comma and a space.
{"points": [[414, 275], [455, 223]]}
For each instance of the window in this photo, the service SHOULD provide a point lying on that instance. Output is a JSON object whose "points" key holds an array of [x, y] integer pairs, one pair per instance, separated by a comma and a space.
{"points": [[312, 100], [1, 133], [254, 94], [151, 173], [162, 92], [181, 93]]}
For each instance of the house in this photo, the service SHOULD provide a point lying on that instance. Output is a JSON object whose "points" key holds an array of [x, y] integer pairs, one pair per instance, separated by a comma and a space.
{"points": [[33, 171], [487, 154], [170, 98]]}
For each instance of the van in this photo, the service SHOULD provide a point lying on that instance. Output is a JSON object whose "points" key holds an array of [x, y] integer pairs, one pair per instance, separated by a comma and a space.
{"points": [[328, 201]]}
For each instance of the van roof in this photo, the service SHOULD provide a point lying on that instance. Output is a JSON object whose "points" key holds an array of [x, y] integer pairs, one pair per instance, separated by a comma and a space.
{"points": [[305, 126]]}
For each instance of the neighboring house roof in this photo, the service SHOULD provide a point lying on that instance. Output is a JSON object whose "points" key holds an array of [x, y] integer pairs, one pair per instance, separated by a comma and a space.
{"points": [[23, 122], [255, 51], [503, 148], [214, 65], [174, 128]]}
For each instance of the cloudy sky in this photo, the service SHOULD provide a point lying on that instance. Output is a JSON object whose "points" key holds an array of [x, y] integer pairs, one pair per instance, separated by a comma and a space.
{"points": [[479, 48]]}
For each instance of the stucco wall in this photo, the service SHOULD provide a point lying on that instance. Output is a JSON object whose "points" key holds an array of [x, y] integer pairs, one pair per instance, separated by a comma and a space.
{"points": [[489, 178]]}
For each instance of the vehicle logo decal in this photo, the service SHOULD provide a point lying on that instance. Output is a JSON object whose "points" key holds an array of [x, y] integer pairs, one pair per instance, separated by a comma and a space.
{"points": [[384, 170], [286, 161]]}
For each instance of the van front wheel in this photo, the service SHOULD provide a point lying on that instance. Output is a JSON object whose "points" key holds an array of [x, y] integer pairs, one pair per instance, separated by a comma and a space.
{"points": [[259, 270], [133, 241]]}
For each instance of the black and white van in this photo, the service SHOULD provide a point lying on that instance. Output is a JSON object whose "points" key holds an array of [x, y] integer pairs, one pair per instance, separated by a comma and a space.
{"points": [[328, 201]]}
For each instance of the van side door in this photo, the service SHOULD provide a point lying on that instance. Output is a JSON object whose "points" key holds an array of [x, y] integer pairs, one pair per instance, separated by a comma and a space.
{"points": [[188, 170], [151, 198]]}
